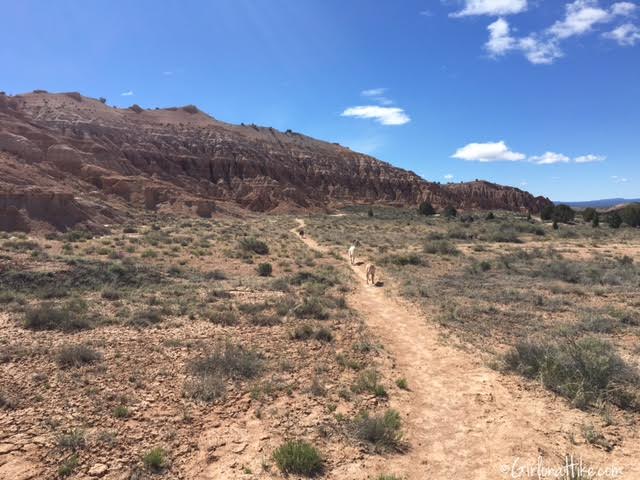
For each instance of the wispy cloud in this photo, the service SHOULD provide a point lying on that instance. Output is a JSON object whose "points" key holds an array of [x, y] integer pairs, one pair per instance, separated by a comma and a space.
{"points": [[618, 179], [377, 94], [549, 158], [382, 115], [626, 35], [491, 7], [128, 93], [426, 13], [167, 73], [448, 177], [590, 158], [581, 17], [488, 152], [500, 152]]}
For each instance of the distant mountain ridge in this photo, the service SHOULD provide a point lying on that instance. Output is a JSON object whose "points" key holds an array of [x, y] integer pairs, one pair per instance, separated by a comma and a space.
{"points": [[603, 203], [67, 159]]}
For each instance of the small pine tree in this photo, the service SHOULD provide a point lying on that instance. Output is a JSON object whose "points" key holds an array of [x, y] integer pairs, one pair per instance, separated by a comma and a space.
{"points": [[595, 223], [370, 212], [555, 225]]}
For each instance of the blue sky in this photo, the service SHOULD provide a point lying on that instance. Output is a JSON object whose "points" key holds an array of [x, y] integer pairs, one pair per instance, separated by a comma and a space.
{"points": [[539, 94]]}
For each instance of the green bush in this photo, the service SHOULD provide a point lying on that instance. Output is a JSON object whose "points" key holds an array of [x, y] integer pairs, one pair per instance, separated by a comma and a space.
{"points": [[547, 212], [614, 220], [588, 214], [69, 317], [155, 459], [311, 307], [403, 259], [77, 356], [442, 247], [299, 458], [229, 359], [425, 208], [265, 269], [449, 211], [383, 431], [630, 215], [252, 244], [563, 214], [586, 371]]}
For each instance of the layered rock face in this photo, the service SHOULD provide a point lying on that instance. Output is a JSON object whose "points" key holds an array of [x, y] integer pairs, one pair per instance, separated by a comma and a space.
{"points": [[97, 162]]}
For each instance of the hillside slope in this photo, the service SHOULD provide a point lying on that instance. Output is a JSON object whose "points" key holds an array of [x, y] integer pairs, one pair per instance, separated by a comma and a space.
{"points": [[66, 159]]}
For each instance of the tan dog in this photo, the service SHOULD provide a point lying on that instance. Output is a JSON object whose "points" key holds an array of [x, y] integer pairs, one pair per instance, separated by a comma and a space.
{"points": [[371, 273]]}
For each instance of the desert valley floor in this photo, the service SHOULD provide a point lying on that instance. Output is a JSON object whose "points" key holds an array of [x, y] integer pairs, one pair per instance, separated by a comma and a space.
{"points": [[205, 349]]}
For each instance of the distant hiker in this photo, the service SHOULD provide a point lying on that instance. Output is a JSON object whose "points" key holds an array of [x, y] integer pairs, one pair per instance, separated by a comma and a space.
{"points": [[301, 232], [352, 254], [371, 274]]}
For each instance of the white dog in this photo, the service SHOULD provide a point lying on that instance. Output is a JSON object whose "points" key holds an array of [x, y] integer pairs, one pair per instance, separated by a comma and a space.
{"points": [[352, 254]]}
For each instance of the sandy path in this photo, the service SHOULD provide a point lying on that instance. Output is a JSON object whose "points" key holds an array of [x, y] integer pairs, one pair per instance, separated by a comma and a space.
{"points": [[465, 420]]}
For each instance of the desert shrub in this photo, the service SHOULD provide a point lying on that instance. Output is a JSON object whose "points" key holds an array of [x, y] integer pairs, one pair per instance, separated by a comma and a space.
{"points": [[586, 370], [68, 466], [77, 356], [231, 360], [208, 387], [324, 335], [69, 317], [402, 384], [302, 332], [155, 459], [441, 247], [74, 95], [630, 215], [614, 220], [77, 236], [449, 211], [588, 214], [490, 216], [146, 318], [595, 222], [136, 108], [121, 411], [7, 401], [226, 317], [102, 100], [264, 320], [369, 382], [311, 307], [299, 458], [370, 212], [383, 431], [215, 275], [73, 439], [425, 208], [265, 269], [110, 294], [403, 259], [252, 244]]}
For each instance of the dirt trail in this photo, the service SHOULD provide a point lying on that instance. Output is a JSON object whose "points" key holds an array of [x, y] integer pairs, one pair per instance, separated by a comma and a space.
{"points": [[465, 420]]}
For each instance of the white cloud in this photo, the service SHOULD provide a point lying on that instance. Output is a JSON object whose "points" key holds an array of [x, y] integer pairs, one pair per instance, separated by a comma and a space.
{"points": [[624, 9], [589, 158], [377, 94], [491, 7], [549, 158], [524, 184], [382, 115], [167, 73], [581, 17], [448, 176], [626, 35], [488, 152], [500, 41], [373, 92], [128, 93]]}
